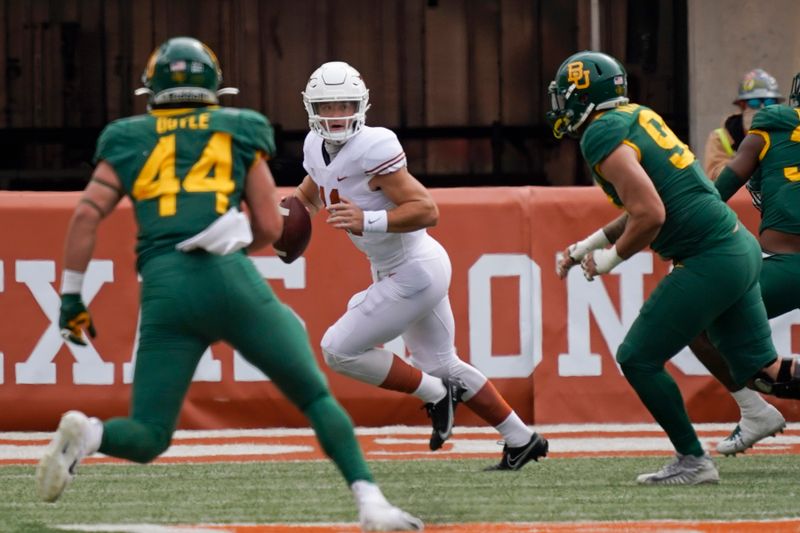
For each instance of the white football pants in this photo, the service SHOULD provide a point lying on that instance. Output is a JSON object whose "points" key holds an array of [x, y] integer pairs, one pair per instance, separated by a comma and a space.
{"points": [[411, 301]]}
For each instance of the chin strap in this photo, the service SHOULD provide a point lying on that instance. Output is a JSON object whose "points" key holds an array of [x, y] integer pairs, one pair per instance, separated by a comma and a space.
{"points": [[786, 386]]}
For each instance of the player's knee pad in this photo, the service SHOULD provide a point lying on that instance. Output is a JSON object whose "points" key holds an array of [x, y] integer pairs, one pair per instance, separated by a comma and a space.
{"points": [[634, 361], [625, 354], [787, 385], [637, 370], [334, 354], [334, 361], [370, 366], [336, 343], [361, 366]]}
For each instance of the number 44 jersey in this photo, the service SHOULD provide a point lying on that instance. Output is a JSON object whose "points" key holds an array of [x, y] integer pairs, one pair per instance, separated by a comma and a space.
{"points": [[696, 217], [183, 168]]}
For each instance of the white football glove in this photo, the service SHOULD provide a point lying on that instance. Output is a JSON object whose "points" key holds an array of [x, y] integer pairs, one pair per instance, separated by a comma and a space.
{"points": [[575, 252], [600, 262]]}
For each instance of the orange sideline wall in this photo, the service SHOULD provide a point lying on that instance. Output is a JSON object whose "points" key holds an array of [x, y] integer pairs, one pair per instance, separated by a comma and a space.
{"points": [[547, 344]]}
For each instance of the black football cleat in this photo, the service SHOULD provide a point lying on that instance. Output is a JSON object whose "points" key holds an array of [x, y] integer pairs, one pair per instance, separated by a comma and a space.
{"points": [[442, 414], [515, 458], [787, 385]]}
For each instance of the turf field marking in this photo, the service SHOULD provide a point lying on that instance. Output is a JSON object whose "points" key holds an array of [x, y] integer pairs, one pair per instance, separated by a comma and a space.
{"points": [[405, 442], [401, 442], [592, 429], [655, 526]]}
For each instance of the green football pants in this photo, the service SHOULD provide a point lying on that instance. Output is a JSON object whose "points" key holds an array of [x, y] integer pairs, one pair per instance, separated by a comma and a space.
{"points": [[780, 284], [191, 300], [717, 291]]}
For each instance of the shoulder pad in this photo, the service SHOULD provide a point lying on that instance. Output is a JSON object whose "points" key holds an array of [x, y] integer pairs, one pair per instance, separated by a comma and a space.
{"points": [[604, 134], [776, 118], [381, 151]]}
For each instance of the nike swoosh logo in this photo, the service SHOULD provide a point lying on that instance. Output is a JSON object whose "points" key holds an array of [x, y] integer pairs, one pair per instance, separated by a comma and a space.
{"points": [[512, 461], [342, 178], [372, 220]]}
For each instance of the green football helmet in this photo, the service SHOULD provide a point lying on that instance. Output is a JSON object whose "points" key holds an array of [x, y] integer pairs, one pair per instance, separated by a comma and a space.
{"points": [[794, 92], [182, 71], [585, 82]]}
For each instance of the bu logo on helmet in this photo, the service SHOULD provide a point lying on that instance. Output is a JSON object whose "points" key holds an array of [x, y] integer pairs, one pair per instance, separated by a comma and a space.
{"points": [[577, 75]]}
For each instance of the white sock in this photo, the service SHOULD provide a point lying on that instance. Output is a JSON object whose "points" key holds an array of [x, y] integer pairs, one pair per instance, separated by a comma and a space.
{"points": [[750, 402], [430, 389], [514, 431], [367, 492], [94, 436]]}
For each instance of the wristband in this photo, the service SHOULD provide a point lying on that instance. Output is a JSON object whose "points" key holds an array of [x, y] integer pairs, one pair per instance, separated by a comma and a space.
{"points": [[71, 281], [594, 241], [605, 260], [376, 221]]}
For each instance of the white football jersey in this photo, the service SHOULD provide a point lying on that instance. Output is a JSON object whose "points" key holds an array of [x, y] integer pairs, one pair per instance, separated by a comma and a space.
{"points": [[371, 152]]}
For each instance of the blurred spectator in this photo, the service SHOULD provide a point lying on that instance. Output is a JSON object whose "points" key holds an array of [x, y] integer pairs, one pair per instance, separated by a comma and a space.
{"points": [[757, 89]]}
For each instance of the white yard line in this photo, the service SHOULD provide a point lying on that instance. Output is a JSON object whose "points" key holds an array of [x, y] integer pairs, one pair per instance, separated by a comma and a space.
{"points": [[410, 430], [404, 441]]}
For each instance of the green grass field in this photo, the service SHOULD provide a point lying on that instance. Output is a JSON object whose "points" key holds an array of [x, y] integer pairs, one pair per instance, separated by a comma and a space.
{"points": [[752, 487]]}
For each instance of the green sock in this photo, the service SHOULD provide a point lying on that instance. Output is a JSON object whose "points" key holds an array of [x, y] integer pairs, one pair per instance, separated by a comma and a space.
{"points": [[660, 395], [335, 433], [128, 439]]}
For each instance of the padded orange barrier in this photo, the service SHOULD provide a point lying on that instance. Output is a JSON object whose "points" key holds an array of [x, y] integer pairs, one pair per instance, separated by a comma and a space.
{"points": [[547, 344]]}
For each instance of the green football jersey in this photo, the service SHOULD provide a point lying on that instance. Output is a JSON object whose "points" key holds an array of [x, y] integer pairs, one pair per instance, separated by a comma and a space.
{"points": [[183, 168], [696, 217], [777, 178]]}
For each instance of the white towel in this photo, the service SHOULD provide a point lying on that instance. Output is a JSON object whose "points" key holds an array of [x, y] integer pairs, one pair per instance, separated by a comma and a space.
{"points": [[229, 233]]}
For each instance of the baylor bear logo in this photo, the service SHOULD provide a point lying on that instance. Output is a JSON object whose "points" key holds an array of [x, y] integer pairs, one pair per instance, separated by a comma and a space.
{"points": [[578, 75]]}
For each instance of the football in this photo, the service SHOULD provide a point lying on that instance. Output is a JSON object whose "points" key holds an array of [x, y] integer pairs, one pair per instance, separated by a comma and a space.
{"points": [[296, 229]]}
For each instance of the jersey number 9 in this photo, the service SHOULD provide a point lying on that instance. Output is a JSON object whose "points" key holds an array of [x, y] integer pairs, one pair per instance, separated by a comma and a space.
{"points": [[663, 136]]}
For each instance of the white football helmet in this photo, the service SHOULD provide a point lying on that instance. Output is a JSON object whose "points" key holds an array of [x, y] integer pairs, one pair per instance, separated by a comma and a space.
{"points": [[336, 81]]}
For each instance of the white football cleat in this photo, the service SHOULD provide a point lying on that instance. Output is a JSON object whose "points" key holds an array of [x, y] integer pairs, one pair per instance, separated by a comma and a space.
{"points": [[375, 513], [383, 516], [684, 470], [752, 429], [57, 466]]}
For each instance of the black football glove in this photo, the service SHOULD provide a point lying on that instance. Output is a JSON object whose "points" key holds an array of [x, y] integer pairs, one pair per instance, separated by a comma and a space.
{"points": [[74, 318]]}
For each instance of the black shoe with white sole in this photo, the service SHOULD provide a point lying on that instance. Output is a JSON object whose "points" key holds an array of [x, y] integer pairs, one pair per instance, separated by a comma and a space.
{"points": [[442, 414], [515, 458]]}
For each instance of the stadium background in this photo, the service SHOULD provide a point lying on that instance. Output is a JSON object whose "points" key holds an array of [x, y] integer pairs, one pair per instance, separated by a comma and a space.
{"points": [[462, 81], [464, 84]]}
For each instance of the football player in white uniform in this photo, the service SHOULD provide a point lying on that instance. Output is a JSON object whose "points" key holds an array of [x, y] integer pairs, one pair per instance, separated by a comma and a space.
{"points": [[358, 174]]}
